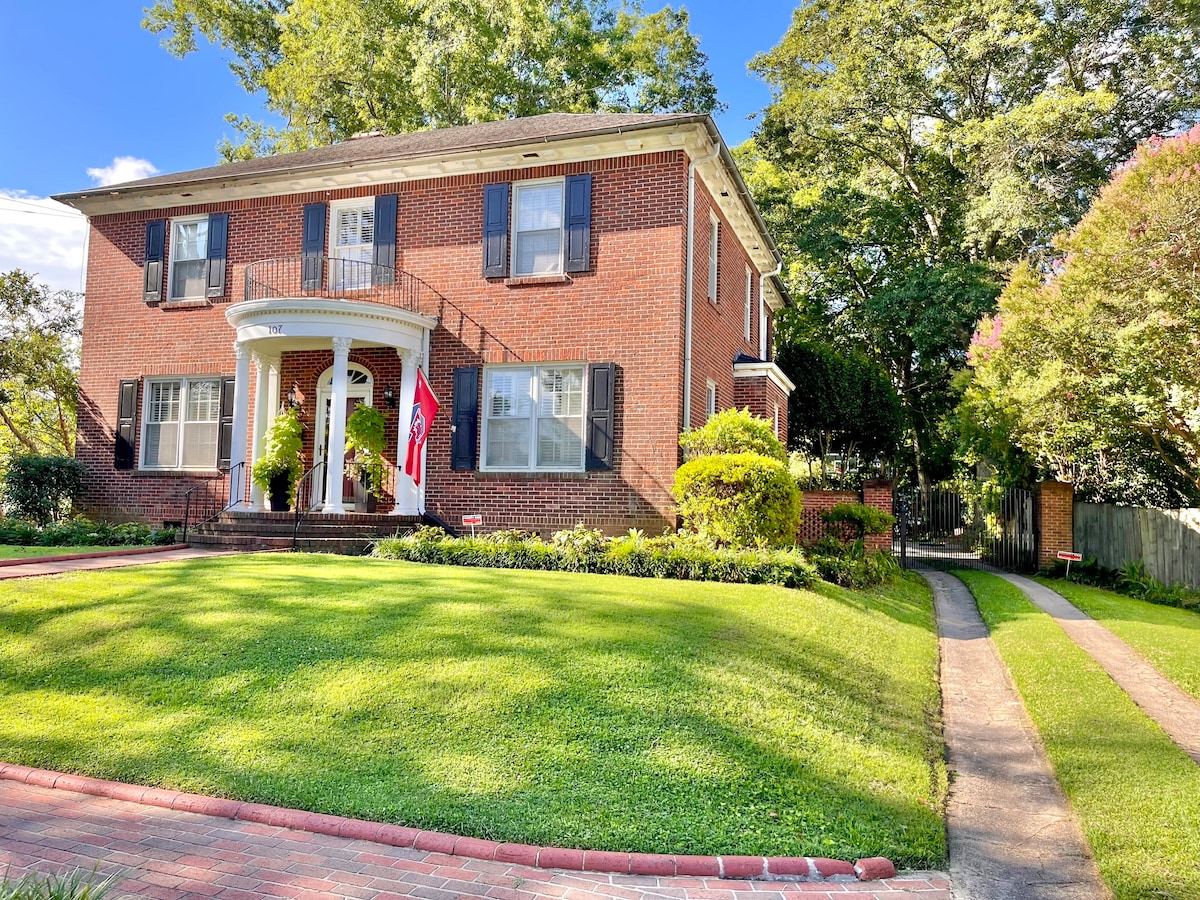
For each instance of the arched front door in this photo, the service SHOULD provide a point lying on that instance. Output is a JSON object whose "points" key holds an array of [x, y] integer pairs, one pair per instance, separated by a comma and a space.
{"points": [[359, 389]]}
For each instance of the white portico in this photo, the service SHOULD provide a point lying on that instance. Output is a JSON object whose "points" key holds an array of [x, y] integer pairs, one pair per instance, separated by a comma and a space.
{"points": [[267, 328]]}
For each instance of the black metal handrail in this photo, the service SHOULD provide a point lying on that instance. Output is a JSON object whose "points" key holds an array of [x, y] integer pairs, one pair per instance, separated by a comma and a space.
{"points": [[332, 278], [306, 498], [235, 475]]}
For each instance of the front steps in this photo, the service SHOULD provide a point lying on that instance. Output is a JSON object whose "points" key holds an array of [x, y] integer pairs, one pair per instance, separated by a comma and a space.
{"points": [[349, 534]]}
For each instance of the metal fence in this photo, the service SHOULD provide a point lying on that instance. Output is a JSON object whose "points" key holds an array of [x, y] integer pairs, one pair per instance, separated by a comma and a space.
{"points": [[947, 530], [332, 278]]}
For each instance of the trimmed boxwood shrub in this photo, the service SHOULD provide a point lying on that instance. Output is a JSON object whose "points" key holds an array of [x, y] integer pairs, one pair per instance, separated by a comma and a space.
{"points": [[80, 532], [858, 519], [683, 556], [42, 488], [733, 431], [739, 499]]}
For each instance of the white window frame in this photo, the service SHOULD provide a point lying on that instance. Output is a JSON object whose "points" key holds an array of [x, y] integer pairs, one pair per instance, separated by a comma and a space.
{"points": [[534, 417], [710, 398], [777, 420], [336, 275], [514, 216], [173, 254], [714, 255], [185, 382], [749, 303]]}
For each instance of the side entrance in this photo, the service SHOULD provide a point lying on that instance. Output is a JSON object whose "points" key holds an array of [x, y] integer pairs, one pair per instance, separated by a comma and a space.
{"points": [[947, 530]]}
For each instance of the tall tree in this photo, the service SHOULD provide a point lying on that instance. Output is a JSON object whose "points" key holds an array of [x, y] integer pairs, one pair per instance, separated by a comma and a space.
{"points": [[332, 68], [916, 148], [39, 353]]}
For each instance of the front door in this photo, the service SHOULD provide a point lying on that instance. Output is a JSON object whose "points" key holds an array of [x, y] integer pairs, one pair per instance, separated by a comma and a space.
{"points": [[357, 391]]}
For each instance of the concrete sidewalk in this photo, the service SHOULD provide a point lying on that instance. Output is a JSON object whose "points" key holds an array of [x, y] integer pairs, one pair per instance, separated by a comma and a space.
{"points": [[80, 564]]}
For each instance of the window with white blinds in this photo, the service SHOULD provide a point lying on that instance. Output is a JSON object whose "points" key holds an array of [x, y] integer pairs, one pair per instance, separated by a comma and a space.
{"points": [[538, 229], [352, 244], [533, 418], [181, 423], [189, 258]]}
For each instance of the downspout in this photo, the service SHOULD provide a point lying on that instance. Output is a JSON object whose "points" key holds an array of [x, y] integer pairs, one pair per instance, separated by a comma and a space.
{"points": [[763, 350], [687, 291]]}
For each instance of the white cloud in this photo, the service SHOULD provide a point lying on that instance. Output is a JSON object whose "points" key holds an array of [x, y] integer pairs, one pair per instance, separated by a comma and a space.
{"points": [[123, 168], [43, 237]]}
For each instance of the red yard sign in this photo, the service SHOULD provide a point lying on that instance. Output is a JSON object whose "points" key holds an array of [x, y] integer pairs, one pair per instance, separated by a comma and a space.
{"points": [[473, 520], [1069, 556]]}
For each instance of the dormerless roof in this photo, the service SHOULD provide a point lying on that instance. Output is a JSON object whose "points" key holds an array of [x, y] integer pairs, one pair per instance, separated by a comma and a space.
{"points": [[483, 136]]}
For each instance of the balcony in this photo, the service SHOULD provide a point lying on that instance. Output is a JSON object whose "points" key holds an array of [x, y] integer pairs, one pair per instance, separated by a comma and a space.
{"points": [[330, 278]]}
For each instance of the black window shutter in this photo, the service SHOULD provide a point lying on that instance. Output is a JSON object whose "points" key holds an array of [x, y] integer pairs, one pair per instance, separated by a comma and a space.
{"points": [[225, 432], [602, 382], [123, 457], [313, 245], [464, 440], [385, 240], [579, 223], [218, 244], [156, 242], [495, 230]]}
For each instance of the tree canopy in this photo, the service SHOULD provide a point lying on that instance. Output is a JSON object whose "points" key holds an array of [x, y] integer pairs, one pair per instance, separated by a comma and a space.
{"points": [[333, 68], [1093, 372], [915, 150], [39, 351]]}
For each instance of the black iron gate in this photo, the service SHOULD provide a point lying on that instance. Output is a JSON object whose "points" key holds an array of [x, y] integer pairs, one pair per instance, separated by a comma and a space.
{"points": [[948, 530]]}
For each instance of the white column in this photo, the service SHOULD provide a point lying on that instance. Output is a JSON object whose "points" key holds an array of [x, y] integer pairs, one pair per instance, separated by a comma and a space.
{"points": [[335, 458], [407, 494], [237, 447], [262, 408]]}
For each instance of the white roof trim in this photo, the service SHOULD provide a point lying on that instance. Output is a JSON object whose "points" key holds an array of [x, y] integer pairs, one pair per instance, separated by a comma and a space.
{"points": [[764, 370]]}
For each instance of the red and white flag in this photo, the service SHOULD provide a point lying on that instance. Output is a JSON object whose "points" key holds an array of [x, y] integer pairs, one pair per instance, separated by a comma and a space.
{"points": [[425, 407]]}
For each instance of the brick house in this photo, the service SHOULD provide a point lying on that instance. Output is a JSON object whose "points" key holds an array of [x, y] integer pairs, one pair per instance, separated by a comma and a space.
{"points": [[578, 289]]}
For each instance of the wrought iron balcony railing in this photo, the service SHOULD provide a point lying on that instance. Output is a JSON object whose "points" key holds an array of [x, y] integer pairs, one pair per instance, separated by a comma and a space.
{"points": [[331, 278]]}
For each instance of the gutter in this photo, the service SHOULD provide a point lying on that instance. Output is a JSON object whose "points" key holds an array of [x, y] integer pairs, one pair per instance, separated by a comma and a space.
{"points": [[763, 349], [689, 269]]}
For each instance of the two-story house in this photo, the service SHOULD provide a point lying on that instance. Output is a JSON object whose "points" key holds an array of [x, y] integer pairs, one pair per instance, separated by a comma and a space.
{"points": [[578, 289]]}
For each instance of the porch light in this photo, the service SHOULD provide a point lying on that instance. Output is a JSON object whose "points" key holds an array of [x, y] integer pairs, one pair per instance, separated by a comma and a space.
{"points": [[291, 397], [389, 397]]}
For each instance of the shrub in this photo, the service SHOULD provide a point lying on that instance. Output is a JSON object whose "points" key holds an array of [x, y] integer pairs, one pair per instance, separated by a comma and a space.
{"points": [[733, 431], [683, 556], [81, 531], [1132, 580], [850, 564], [42, 488], [739, 499], [858, 519]]}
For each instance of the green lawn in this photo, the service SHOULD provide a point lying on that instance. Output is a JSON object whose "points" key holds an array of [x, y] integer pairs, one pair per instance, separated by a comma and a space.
{"points": [[1168, 637], [550, 708], [12, 551], [1137, 795]]}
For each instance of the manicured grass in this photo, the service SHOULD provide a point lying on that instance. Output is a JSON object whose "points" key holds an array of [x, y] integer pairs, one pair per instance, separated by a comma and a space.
{"points": [[549, 708], [1137, 795], [1168, 637], [12, 551]]}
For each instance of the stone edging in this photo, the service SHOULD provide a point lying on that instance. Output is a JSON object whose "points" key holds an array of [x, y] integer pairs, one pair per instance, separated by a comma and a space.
{"points": [[95, 554], [790, 868]]}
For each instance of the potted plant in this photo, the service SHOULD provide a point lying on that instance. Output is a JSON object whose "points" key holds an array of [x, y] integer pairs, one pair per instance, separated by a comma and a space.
{"points": [[366, 438], [280, 466]]}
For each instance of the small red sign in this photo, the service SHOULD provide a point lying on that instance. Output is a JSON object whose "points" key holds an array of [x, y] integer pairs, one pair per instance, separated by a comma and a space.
{"points": [[1073, 557], [473, 520]]}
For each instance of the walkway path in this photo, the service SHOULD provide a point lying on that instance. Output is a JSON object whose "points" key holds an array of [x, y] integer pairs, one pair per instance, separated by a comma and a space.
{"points": [[1011, 832], [171, 855], [26, 570], [1177, 712]]}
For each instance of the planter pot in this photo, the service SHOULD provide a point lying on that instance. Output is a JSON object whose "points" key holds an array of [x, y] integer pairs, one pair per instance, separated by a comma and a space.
{"points": [[279, 492]]}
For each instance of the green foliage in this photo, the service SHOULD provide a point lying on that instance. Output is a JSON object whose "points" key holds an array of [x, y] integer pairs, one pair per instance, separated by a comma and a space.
{"points": [[39, 350], [77, 885], [844, 406], [739, 499], [859, 519], [850, 564], [281, 452], [366, 436], [42, 488], [332, 68], [82, 532], [1132, 580], [1092, 372], [733, 431]]}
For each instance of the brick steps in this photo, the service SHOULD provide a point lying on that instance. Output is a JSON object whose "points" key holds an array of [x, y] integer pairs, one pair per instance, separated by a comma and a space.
{"points": [[350, 534]]}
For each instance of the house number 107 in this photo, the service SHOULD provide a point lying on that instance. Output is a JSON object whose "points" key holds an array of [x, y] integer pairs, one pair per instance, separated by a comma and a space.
{"points": [[274, 329]]}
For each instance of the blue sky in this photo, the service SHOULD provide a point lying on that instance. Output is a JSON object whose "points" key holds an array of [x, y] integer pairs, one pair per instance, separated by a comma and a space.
{"points": [[90, 98]]}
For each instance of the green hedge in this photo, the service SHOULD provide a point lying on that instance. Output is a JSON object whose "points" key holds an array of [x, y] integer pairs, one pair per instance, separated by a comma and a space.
{"points": [[683, 556], [739, 499], [80, 532], [1132, 580], [42, 488]]}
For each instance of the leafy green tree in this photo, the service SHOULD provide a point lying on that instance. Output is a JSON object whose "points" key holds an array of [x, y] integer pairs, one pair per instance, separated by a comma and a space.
{"points": [[916, 149], [332, 68], [39, 353], [1093, 372]]}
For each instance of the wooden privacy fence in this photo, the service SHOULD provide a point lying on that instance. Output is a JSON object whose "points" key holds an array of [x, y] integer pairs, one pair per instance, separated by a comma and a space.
{"points": [[1166, 540]]}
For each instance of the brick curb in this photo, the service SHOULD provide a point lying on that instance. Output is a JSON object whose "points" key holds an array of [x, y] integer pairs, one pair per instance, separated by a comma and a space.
{"points": [[95, 554], [793, 868]]}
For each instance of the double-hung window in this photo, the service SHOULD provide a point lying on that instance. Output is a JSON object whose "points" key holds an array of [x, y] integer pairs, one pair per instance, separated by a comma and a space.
{"points": [[189, 258], [714, 255], [352, 244], [538, 228], [749, 302], [533, 418], [182, 423]]}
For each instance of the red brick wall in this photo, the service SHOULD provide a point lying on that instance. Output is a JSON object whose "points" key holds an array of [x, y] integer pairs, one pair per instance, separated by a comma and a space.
{"points": [[763, 397], [627, 310], [813, 528], [1056, 522]]}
